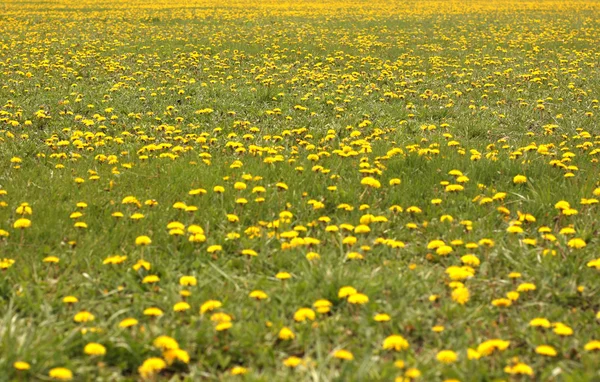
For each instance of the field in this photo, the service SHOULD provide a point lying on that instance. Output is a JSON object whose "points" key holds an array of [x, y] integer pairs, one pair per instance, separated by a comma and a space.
{"points": [[299, 190]]}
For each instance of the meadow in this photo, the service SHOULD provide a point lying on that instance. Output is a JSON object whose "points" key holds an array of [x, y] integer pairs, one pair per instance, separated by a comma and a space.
{"points": [[299, 190]]}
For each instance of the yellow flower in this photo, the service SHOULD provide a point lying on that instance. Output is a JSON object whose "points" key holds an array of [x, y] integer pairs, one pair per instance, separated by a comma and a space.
{"points": [[358, 298], [546, 350], [292, 361], [20, 365], [593, 345], [540, 322], [142, 240], [70, 299], [502, 302], [222, 326], [461, 295], [412, 373], [22, 223], [446, 356], [371, 182], [94, 348], [175, 225], [346, 291], [61, 373], [195, 230], [322, 306], [343, 354], [141, 264], [444, 250], [594, 263], [435, 244], [395, 342], [51, 259], [473, 354], [181, 306], [24, 209], [514, 229], [576, 243], [210, 305], [526, 287], [382, 317], [214, 248], [153, 312], [165, 343], [188, 281], [310, 256], [150, 279], [490, 346], [520, 179], [471, 260], [238, 370], [173, 355], [258, 295], [304, 314], [137, 216], [249, 252], [283, 276], [512, 296], [562, 329], [83, 316], [454, 188], [286, 334], [151, 366], [128, 322], [116, 259], [519, 369]]}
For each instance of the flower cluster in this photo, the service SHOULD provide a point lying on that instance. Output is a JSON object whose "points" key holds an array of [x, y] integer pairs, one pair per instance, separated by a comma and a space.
{"points": [[333, 190]]}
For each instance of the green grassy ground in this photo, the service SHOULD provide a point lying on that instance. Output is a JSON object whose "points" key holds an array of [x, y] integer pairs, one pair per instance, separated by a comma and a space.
{"points": [[128, 107]]}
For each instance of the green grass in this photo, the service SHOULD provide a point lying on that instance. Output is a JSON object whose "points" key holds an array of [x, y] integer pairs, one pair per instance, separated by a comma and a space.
{"points": [[476, 71]]}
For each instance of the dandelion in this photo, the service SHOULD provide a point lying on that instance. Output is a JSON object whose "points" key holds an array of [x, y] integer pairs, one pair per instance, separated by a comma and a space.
{"points": [[153, 312], [83, 316], [520, 179], [546, 350], [461, 295], [576, 243], [188, 281], [238, 370], [94, 348], [286, 334], [61, 374], [143, 241], [395, 342], [283, 276], [258, 295], [292, 361], [128, 322], [21, 365], [210, 305], [519, 369], [165, 343], [151, 367], [304, 314], [343, 354], [446, 356], [593, 345], [173, 355], [346, 292]]}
